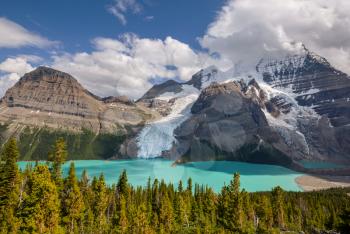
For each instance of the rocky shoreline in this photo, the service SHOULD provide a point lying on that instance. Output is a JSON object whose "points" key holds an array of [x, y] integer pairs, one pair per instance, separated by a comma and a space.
{"points": [[313, 182]]}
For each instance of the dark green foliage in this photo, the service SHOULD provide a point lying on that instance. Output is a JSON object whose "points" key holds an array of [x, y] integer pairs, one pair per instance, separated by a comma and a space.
{"points": [[72, 202], [57, 157], [35, 143], [344, 225], [33, 202], [40, 209], [9, 186], [3, 128], [8, 171]]}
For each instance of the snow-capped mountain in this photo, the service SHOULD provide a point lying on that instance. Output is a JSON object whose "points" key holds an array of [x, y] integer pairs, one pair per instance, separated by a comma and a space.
{"points": [[280, 111]]}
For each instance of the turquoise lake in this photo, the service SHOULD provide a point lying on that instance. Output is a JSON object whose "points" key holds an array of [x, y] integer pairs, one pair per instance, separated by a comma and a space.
{"points": [[320, 165], [254, 177]]}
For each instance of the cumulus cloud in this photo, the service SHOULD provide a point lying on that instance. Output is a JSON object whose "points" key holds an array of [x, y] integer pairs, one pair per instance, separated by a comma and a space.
{"points": [[11, 69], [246, 30], [121, 7], [126, 66], [13, 35]]}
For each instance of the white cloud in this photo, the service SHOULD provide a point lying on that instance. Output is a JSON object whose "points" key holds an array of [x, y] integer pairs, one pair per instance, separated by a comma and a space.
{"points": [[11, 69], [121, 7], [17, 65], [7, 81], [246, 30], [13, 35], [126, 66], [149, 18]]}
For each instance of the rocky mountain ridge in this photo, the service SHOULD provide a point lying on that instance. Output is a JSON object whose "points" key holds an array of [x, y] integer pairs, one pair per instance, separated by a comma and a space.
{"points": [[296, 107], [47, 103], [281, 111], [45, 92]]}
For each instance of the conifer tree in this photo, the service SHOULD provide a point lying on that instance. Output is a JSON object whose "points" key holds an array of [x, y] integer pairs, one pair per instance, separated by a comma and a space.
{"points": [[57, 157], [223, 207], [236, 204], [166, 215], [344, 225], [278, 206], [9, 186], [180, 187], [189, 185], [122, 185], [100, 203], [72, 202], [264, 215], [122, 222], [40, 212]]}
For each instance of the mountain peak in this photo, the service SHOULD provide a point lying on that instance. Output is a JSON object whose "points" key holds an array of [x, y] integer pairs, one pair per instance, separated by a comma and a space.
{"points": [[43, 72], [50, 90]]}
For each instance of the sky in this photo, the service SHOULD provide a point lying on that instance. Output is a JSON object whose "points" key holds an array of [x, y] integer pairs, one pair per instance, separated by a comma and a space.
{"points": [[123, 47]]}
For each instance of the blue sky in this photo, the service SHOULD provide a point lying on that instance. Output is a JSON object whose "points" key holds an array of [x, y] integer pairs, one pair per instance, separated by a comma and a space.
{"points": [[75, 23], [121, 47]]}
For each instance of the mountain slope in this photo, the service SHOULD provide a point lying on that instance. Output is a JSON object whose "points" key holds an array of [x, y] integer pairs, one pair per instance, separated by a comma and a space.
{"points": [[47, 103], [281, 111]]}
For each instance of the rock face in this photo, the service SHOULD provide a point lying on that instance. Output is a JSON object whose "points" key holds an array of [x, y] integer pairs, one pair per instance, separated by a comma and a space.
{"points": [[314, 83], [52, 91], [169, 86], [150, 98], [228, 123], [282, 111], [56, 99], [49, 99]]}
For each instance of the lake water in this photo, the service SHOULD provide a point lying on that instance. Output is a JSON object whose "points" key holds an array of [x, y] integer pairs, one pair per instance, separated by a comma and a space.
{"points": [[254, 177], [320, 165]]}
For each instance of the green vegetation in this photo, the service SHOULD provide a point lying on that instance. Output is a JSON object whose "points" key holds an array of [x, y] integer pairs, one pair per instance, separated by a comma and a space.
{"points": [[39, 200], [34, 143]]}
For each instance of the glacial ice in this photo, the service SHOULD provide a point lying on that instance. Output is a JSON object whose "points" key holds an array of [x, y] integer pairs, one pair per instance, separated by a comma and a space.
{"points": [[158, 136]]}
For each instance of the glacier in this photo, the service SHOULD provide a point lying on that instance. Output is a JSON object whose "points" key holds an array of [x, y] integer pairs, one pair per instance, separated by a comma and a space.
{"points": [[158, 136]]}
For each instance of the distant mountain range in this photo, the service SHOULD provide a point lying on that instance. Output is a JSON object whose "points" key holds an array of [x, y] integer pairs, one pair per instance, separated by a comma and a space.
{"points": [[281, 111]]}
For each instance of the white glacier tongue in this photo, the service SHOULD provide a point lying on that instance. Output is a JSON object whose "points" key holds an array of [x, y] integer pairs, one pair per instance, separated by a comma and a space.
{"points": [[158, 136]]}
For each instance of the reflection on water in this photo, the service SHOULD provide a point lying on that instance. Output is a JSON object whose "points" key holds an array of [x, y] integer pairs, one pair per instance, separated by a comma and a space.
{"points": [[320, 165], [254, 177]]}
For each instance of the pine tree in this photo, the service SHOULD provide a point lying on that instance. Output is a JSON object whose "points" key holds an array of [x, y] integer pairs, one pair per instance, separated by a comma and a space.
{"points": [[223, 207], [235, 205], [189, 185], [58, 157], [9, 186], [180, 187], [264, 214], [344, 225], [72, 202], [166, 214], [40, 212], [140, 220], [122, 185], [122, 222], [278, 206], [100, 203]]}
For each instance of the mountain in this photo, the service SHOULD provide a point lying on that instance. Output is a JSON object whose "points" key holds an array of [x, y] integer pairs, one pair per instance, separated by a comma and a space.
{"points": [[281, 111], [47, 103]]}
